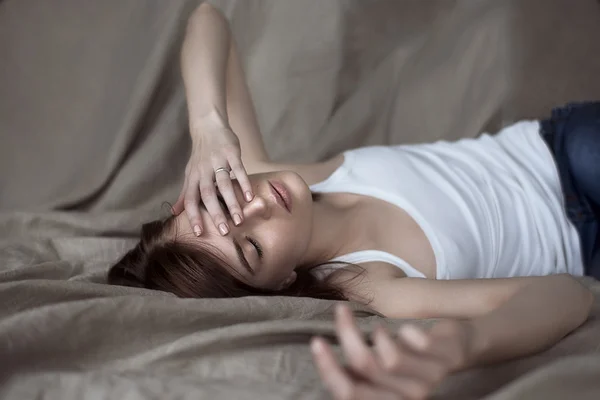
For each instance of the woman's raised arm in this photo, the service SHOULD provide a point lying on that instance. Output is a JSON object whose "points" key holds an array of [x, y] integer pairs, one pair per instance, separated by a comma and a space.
{"points": [[222, 121]]}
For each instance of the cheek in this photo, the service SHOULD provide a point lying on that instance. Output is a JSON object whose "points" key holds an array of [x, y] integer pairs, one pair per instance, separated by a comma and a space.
{"points": [[302, 226], [286, 242], [294, 238]]}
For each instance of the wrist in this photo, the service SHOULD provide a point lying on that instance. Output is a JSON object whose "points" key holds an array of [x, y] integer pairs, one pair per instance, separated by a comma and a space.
{"points": [[476, 344], [209, 121]]}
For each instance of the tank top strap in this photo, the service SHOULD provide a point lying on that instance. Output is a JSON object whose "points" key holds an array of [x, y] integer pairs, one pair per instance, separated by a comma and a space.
{"points": [[364, 256], [340, 175], [340, 181]]}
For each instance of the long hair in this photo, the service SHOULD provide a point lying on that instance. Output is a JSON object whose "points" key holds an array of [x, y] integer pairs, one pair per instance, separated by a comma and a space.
{"points": [[162, 262]]}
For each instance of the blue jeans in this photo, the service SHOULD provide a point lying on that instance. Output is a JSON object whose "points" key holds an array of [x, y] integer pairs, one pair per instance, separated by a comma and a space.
{"points": [[573, 135]]}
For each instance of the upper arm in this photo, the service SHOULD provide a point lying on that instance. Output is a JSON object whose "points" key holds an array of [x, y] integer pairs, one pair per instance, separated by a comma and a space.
{"points": [[242, 119], [428, 298]]}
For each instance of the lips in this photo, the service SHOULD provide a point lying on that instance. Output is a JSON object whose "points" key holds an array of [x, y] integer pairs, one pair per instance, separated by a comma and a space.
{"points": [[282, 195]]}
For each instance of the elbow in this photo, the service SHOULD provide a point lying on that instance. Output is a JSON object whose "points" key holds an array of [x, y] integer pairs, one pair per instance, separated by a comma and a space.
{"points": [[583, 296], [589, 299], [205, 13], [205, 7], [204, 10]]}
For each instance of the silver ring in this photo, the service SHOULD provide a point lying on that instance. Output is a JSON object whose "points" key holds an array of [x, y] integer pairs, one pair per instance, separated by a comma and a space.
{"points": [[221, 169]]}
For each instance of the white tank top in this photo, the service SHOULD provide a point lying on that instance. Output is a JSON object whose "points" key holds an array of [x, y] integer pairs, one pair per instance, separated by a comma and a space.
{"points": [[490, 207]]}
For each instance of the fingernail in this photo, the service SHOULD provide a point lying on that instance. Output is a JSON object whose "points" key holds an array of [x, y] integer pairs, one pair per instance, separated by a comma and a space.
{"points": [[407, 331], [223, 229], [248, 196], [316, 346], [197, 230], [413, 335], [237, 219]]}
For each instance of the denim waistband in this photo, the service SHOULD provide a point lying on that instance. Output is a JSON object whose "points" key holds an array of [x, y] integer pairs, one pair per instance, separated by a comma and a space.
{"points": [[579, 210]]}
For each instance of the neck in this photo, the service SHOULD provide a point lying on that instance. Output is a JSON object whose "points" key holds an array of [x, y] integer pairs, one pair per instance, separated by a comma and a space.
{"points": [[333, 230]]}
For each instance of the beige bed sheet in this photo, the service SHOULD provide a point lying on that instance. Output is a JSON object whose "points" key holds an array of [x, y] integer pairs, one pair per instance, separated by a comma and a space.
{"points": [[93, 141]]}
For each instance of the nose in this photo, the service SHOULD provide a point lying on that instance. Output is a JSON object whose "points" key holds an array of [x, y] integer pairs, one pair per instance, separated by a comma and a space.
{"points": [[257, 208]]}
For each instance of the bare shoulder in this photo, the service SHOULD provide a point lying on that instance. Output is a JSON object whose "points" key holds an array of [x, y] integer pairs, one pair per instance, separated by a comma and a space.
{"points": [[360, 282], [311, 172], [372, 272]]}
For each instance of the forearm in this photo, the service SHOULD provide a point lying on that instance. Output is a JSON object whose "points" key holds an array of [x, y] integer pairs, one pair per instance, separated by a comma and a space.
{"points": [[215, 83], [532, 320], [204, 58]]}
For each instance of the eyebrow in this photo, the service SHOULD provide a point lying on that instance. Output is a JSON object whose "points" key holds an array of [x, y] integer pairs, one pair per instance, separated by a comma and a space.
{"points": [[242, 257]]}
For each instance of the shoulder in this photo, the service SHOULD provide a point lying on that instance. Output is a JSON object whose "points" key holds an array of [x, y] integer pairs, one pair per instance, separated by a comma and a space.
{"points": [[311, 172], [360, 282]]}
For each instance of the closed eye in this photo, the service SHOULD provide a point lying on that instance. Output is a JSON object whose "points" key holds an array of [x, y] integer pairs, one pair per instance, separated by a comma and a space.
{"points": [[253, 242], [256, 246]]}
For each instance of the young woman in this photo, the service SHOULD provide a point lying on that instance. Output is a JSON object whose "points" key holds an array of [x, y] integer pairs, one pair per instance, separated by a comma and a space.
{"points": [[409, 230]]}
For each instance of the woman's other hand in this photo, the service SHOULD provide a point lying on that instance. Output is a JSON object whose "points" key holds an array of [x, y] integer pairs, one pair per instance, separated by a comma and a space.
{"points": [[408, 367], [215, 157]]}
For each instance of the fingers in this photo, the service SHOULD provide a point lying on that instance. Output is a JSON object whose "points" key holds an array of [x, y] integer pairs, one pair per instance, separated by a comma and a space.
{"points": [[191, 205], [218, 149], [178, 207], [337, 380], [332, 374], [391, 366], [359, 356], [226, 189], [200, 185], [209, 198], [421, 371], [242, 177], [415, 337], [443, 348], [399, 371]]}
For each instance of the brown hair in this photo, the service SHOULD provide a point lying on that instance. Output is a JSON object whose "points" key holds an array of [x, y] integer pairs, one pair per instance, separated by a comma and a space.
{"points": [[160, 261]]}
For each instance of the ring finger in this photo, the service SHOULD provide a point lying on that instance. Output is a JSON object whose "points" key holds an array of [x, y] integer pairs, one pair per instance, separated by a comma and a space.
{"points": [[209, 194], [225, 186]]}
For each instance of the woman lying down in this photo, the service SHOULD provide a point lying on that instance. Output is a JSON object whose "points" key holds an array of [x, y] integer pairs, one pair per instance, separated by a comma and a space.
{"points": [[484, 233]]}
